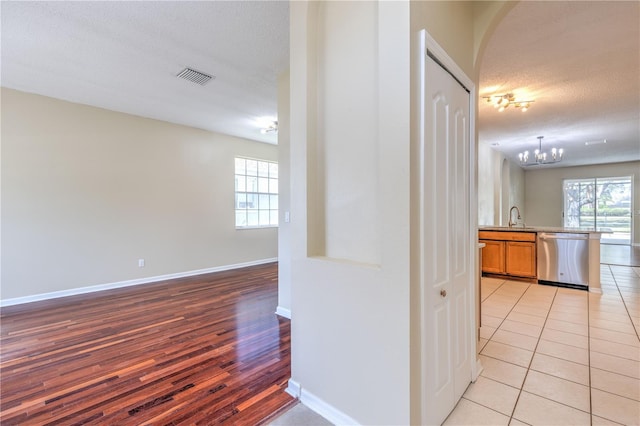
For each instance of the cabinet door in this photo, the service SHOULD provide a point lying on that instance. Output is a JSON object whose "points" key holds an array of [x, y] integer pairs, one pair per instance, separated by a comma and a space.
{"points": [[493, 257], [521, 258]]}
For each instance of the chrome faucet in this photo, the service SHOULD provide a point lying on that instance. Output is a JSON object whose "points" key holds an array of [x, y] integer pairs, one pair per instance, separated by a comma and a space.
{"points": [[511, 223]]}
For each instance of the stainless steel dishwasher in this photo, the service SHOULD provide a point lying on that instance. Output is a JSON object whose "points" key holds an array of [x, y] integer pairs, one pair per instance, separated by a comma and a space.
{"points": [[563, 258]]}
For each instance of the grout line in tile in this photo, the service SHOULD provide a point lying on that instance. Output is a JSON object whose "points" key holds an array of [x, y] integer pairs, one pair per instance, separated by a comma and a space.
{"points": [[519, 322], [564, 331], [624, 302], [531, 361], [553, 400], [610, 298], [494, 290], [498, 381], [608, 420], [482, 405], [562, 343], [520, 334], [616, 395], [608, 329], [614, 355], [505, 317], [614, 372], [610, 372], [507, 362], [557, 377]]}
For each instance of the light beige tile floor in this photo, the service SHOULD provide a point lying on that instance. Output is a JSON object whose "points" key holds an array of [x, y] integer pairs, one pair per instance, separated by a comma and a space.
{"points": [[550, 356], [557, 356]]}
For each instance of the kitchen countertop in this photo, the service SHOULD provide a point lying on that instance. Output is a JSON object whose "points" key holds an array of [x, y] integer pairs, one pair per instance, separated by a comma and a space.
{"points": [[594, 246], [520, 228]]}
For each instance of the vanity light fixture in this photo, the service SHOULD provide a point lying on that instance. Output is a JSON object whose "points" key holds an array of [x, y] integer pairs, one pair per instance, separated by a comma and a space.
{"points": [[540, 157], [502, 102]]}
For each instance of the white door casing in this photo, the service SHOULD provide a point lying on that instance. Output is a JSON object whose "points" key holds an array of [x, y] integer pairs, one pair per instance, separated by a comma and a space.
{"points": [[446, 277]]}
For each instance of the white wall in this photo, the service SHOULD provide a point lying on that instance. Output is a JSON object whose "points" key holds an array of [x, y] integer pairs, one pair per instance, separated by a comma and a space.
{"points": [[284, 197], [451, 24], [354, 336], [494, 200], [350, 208], [488, 194], [544, 198], [86, 192], [501, 184], [513, 192]]}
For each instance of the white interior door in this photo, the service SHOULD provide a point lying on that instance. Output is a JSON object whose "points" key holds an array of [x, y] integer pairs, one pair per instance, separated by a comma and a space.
{"points": [[445, 244]]}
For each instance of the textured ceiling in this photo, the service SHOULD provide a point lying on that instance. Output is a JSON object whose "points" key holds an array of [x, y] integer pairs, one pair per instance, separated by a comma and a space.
{"points": [[580, 62], [124, 56]]}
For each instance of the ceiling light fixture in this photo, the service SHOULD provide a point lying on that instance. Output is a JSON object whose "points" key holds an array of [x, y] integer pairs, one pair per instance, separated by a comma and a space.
{"points": [[595, 143], [271, 127], [540, 157], [502, 102]]}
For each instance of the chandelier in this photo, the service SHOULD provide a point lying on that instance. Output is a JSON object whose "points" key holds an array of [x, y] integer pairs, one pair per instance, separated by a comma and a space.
{"points": [[502, 102], [540, 157]]}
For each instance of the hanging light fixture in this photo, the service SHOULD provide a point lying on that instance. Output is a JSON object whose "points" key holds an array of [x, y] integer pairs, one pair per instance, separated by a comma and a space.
{"points": [[541, 157], [502, 102]]}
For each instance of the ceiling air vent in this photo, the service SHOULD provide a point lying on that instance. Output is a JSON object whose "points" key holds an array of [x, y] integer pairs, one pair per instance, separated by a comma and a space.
{"points": [[195, 76]]}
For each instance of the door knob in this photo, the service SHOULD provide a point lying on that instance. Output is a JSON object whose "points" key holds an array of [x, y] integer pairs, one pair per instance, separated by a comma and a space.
{"points": [[443, 293]]}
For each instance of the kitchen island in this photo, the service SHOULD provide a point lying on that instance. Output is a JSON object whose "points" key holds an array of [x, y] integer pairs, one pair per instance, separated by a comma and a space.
{"points": [[512, 252]]}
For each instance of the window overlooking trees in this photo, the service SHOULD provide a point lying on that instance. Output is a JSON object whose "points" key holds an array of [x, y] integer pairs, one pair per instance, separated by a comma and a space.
{"points": [[600, 203], [256, 193]]}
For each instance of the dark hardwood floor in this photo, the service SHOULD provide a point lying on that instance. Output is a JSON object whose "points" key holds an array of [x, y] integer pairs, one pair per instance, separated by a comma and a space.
{"points": [[200, 350]]}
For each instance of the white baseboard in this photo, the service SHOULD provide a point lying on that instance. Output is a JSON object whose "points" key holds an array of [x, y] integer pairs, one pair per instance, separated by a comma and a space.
{"points": [[316, 404], [283, 312], [293, 388], [128, 283]]}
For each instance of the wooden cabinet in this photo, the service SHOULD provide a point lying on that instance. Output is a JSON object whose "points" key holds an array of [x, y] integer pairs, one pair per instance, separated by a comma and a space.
{"points": [[493, 257], [520, 258], [509, 253]]}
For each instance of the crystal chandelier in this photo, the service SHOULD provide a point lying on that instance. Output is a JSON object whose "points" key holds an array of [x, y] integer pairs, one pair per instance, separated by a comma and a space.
{"points": [[540, 157]]}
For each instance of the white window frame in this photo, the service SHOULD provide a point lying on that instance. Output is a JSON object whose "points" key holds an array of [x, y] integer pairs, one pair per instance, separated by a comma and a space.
{"points": [[615, 235], [256, 193]]}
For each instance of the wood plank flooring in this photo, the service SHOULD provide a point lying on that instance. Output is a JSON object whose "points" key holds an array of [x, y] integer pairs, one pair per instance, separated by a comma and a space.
{"points": [[199, 350]]}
